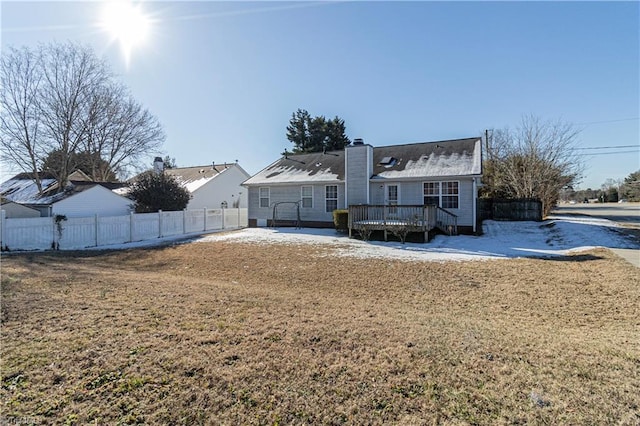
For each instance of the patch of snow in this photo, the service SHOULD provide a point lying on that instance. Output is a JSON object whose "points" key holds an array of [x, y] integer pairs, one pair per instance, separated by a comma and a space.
{"points": [[436, 165], [292, 174], [195, 184], [557, 236]]}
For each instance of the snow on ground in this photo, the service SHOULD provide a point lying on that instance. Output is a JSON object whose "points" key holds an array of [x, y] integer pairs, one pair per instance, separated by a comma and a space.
{"points": [[557, 236]]}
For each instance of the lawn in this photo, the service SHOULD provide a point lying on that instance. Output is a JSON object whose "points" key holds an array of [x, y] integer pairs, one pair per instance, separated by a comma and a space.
{"points": [[235, 333]]}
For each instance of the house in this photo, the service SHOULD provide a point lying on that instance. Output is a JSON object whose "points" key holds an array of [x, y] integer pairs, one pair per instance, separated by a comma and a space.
{"points": [[17, 211], [212, 186], [305, 189], [80, 198]]}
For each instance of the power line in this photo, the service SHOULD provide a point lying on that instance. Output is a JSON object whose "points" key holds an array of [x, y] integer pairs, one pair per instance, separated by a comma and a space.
{"points": [[610, 153], [610, 147], [607, 121]]}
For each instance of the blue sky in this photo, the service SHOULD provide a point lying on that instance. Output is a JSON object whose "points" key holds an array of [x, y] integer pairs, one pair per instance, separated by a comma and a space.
{"points": [[224, 77]]}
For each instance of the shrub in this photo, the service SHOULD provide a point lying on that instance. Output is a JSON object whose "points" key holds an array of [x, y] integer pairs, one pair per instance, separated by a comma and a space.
{"points": [[152, 192], [341, 219]]}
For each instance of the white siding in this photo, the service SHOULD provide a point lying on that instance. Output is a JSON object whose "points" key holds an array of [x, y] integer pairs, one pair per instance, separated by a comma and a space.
{"points": [[224, 187], [358, 171], [411, 192], [96, 200], [292, 193]]}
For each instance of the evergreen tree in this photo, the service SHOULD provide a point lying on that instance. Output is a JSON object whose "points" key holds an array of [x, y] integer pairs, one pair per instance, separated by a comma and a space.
{"points": [[158, 191], [316, 134]]}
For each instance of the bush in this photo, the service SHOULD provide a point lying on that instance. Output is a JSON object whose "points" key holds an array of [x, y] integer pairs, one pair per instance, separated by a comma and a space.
{"points": [[341, 219], [152, 192]]}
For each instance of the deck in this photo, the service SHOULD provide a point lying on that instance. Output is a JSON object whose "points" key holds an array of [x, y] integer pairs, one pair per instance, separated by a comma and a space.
{"points": [[400, 220]]}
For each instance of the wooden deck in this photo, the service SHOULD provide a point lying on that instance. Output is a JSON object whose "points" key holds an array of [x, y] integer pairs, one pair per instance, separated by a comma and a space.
{"points": [[400, 220]]}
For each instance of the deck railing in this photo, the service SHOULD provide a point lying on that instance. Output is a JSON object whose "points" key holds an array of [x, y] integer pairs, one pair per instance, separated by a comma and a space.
{"points": [[446, 221], [400, 220]]}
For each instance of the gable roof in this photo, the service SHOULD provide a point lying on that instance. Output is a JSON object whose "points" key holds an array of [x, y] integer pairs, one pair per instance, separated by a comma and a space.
{"points": [[193, 178], [459, 157], [22, 189], [310, 167]]}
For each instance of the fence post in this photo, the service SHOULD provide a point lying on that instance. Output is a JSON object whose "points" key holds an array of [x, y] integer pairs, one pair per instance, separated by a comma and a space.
{"points": [[96, 228], [55, 242], [184, 221], [159, 223], [131, 218], [222, 218], [205, 219]]}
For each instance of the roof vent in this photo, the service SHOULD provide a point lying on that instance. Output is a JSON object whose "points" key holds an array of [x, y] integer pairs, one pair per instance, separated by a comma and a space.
{"points": [[358, 141]]}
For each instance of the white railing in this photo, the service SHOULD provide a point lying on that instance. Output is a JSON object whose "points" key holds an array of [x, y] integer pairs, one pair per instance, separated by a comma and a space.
{"points": [[42, 233]]}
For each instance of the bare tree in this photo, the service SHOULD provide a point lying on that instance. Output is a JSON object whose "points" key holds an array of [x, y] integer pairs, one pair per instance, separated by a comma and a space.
{"points": [[72, 74], [69, 104], [20, 141], [535, 160], [119, 131]]}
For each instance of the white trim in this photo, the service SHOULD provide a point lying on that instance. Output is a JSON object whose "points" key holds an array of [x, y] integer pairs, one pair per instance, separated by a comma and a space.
{"points": [[302, 197], [440, 194], [346, 179], [327, 199], [386, 193], [369, 171], [260, 197]]}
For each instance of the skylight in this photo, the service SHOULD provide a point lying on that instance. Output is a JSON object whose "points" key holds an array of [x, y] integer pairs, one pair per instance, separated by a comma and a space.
{"points": [[388, 161]]}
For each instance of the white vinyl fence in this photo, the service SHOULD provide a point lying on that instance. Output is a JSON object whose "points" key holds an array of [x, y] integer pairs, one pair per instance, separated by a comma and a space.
{"points": [[42, 233]]}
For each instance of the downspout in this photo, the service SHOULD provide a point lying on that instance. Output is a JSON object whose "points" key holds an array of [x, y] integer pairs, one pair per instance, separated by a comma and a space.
{"points": [[346, 179], [475, 204]]}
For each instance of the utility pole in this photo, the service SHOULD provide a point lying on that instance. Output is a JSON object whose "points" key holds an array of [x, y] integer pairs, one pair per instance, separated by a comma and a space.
{"points": [[486, 141]]}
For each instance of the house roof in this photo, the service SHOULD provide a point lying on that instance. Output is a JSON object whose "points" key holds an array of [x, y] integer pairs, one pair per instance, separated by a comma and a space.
{"points": [[459, 157], [195, 177], [22, 189]]}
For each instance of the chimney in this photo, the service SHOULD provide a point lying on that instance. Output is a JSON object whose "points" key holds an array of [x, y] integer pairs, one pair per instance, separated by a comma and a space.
{"points": [[358, 141], [158, 165]]}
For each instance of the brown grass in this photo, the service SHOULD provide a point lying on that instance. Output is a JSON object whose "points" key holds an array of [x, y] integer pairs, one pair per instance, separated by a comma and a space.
{"points": [[230, 333]]}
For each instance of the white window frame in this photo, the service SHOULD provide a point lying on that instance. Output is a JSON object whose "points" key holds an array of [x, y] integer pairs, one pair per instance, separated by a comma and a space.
{"points": [[441, 186], [261, 197], [327, 199], [437, 195], [308, 197], [449, 195]]}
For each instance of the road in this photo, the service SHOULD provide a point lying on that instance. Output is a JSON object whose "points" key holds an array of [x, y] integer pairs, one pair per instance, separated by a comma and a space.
{"points": [[626, 214]]}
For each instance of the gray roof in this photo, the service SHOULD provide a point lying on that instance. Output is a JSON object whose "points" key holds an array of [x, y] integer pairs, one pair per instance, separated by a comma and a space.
{"points": [[195, 177], [460, 157], [22, 188]]}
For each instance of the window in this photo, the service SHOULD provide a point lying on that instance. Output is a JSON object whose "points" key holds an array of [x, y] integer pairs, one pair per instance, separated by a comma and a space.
{"points": [[264, 197], [331, 198], [306, 193], [432, 193], [450, 195], [443, 194]]}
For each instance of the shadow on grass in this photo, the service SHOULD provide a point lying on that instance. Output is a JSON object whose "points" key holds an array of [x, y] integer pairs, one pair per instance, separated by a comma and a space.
{"points": [[573, 258]]}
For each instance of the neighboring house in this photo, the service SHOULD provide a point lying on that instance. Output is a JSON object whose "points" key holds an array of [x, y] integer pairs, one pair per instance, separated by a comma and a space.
{"points": [[445, 173], [80, 198], [213, 186], [17, 211]]}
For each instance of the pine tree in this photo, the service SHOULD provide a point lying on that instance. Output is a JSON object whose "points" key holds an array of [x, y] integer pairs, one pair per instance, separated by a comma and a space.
{"points": [[316, 134]]}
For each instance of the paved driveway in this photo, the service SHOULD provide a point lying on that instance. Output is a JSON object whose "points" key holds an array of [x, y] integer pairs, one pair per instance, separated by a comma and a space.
{"points": [[626, 214]]}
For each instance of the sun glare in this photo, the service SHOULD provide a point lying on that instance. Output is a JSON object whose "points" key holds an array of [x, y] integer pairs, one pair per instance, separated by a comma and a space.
{"points": [[127, 24]]}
